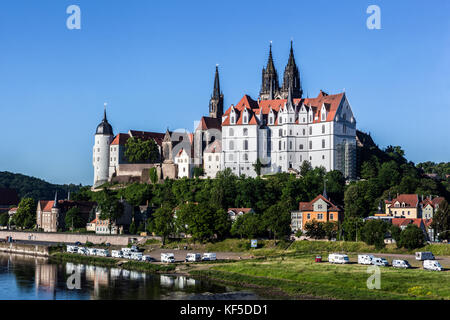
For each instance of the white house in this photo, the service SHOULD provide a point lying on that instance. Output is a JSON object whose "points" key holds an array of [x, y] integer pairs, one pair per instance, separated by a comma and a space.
{"points": [[212, 159], [185, 166], [234, 213]]}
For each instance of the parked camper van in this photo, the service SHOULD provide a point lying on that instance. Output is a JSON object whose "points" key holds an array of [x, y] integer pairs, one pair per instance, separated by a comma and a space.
{"points": [[167, 257], [424, 256], [92, 251], [136, 256], [82, 250], [338, 258], [72, 249], [380, 262], [401, 264], [209, 256], [365, 259], [116, 254], [127, 254], [102, 253], [432, 265], [126, 250], [193, 257]]}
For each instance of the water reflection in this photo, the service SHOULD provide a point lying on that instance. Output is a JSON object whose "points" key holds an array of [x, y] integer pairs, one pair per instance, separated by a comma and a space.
{"points": [[27, 277]]}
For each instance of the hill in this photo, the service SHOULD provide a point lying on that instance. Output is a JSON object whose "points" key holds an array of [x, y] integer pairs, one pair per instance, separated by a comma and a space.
{"points": [[31, 187]]}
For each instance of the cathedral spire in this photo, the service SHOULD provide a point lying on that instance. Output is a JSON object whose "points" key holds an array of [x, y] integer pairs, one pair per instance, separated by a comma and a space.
{"points": [[216, 92], [269, 79], [216, 101], [291, 78]]}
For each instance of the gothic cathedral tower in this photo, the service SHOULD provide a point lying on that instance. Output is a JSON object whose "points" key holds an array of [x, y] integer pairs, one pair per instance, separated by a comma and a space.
{"points": [[269, 86], [216, 101], [291, 79]]}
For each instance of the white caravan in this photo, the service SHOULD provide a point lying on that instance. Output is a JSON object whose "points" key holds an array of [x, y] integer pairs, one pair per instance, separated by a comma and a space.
{"points": [[167, 257], [146, 258], [209, 256], [72, 249], [102, 253], [92, 251], [432, 265], [424, 256], [401, 264], [136, 256], [82, 250], [338, 258], [193, 257], [116, 254], [365, 259]]}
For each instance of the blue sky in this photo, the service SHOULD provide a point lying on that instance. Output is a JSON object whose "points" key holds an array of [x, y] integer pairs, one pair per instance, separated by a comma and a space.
{"points": [[153, 62]]}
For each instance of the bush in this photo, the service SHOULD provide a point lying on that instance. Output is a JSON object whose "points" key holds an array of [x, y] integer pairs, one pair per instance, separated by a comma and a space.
{"points": [[373, 233], [412, 237]]}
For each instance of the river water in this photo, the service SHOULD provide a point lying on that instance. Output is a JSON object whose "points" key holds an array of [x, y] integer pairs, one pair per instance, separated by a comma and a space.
{"points": [[25, 277]]}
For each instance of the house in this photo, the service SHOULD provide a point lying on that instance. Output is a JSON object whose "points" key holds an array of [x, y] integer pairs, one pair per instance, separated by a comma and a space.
{"points": [[212, 159], [403, 206], [234, 213], [120, 226], [184, 163], [320, 209], [430, 205], [422, 224], [50, 215]]}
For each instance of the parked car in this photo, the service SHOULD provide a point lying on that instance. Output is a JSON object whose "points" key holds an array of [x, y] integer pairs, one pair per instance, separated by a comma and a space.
{"points": [[424, 256], [209, 256], [136, 256], [338, 258], [127, 254], [432, 265], [72, 249], [401, 264], [365, 259], [134, 249], [117, 253], [380, 262], [318, 259], [167, 257], [193, 257]]}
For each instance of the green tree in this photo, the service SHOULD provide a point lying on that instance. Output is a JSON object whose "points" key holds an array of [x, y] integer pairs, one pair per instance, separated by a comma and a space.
{"points": [[441, 221], [305, 167], [198, 172], [133, 227], [331, 229], [73, 219], [277, 219], [351, 228], [395, 232], [4, 219], [25, 217], [373, 233], [248, 225], [258, 166], [110, 207], [163, 222], [138, 151], [411, 237], [153, 175], [315, 229]]}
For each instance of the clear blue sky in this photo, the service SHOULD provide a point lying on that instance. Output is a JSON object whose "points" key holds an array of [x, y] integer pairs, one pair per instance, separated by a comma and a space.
{"points": [[153, 62]]}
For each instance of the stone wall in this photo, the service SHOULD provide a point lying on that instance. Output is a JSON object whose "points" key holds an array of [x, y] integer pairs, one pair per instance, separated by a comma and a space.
{"points": [[37, 250], [118, 240]]}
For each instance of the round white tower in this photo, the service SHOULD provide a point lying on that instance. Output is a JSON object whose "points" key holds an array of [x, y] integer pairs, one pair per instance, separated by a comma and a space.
{"points": [[103, 138]]}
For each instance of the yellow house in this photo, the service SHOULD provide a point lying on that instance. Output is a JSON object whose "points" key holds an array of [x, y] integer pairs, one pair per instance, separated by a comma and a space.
{"points": [[403, 206]]}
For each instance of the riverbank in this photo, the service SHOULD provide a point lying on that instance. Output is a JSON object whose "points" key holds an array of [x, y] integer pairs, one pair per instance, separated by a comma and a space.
{"points": [[301, 278], [112, 262], [19, 248]]}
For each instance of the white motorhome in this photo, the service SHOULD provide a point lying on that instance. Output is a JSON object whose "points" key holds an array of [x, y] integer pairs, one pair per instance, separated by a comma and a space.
{"points": [[126, 250], [209, 256], [167, 257], [193, 257], [424, 256], [136, 255], [432, 265], [82, 250], [365, 259], [338, 258], [401, 264], [92, 251], [72, 249], [102, 253], [116, 254], [127, 254]]}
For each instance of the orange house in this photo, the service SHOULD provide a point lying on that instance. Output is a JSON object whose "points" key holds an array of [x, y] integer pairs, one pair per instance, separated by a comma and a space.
{"points": [[320, 209]]}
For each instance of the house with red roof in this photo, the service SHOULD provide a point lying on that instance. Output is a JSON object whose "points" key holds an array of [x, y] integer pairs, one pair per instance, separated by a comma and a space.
{"points": [[234, 213]]}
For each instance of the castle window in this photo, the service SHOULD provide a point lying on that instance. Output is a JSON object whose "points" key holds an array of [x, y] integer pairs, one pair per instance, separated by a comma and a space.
{"points": [[304, 119], [331, 216], [280, 133], [245, 132], [310, 145], [217, 158], [310, 130], [301, 147], [304, 132], [323, 128], [290, 145], [323, 157], [290, 132], [209, 158], [232, 120], [281, 120], [231, 132], [231, 145], [323, 143], [271, 120], [290, 119], [245, 144], [245, 119], [245, 157], [279, 145]]}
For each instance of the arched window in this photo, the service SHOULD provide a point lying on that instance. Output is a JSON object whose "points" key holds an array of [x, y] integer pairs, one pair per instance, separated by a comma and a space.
{"points": [[245, 132], [231, 132], [232, 120], [281, 120], [245, 144], [245, 119], [301, 147], [304, 132], [231, 145], [270, 120]]}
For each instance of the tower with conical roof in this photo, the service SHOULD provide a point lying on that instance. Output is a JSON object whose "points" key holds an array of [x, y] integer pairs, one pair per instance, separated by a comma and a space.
{"points": [[269, 86], [101, 151], [291, 78], [216, 101]]}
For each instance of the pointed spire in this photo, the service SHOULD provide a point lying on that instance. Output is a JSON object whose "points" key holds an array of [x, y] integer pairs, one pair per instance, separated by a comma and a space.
{"points": [[291, 60], [104, 112], [325, 189], [270, 64], [216, 92], [55, 202]]}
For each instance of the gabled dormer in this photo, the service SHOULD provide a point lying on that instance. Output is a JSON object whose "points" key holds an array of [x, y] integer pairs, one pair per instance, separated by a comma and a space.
{"points": [[271, 119], [310, 115], [323, 113], [245, 116], [233, 115]]}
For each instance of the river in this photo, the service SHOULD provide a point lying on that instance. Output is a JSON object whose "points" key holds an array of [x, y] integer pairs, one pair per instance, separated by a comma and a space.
{"points": [[25, 277]]}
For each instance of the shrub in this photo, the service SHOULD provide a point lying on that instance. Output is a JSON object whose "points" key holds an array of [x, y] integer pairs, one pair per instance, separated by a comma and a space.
{"points": [[412, 237]]}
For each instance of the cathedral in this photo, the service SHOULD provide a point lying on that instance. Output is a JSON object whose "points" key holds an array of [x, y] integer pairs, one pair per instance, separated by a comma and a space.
{"points": [[281, 129]]}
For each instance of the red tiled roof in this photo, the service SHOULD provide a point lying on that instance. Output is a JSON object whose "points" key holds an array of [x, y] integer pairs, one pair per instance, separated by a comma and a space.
{"points": [[209, 123], [309, 206], [410, 200], [121, 139], [237, 210], [263, 107], [406, 221]]}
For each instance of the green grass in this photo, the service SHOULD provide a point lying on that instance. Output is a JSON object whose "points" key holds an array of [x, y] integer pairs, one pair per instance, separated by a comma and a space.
{"points": [[300, 276]]}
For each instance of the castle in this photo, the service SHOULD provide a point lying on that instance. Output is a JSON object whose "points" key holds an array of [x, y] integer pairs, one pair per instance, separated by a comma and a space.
{"points": [[281, 129]]}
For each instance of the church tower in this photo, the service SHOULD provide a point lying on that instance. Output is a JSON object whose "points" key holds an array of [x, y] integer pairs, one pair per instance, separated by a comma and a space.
{"points": [[269, 86], [216, 101], [291, 79], [103, 138]]}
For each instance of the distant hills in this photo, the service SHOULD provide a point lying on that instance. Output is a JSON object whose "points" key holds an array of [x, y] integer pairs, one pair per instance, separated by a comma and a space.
{"points": [[31, 187]]}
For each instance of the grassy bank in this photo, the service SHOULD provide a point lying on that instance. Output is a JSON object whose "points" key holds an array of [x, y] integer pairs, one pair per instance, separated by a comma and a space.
{"points": [[111, 262], [300, 277]]}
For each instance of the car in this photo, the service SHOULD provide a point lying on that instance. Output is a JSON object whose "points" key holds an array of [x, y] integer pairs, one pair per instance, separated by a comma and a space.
{"points": [[193, 257], [209, 256], [401, 264], [382, 262]]}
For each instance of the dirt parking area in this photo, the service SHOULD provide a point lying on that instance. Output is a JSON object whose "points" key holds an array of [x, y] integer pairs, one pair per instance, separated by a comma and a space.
{"points": [[180, 255]]}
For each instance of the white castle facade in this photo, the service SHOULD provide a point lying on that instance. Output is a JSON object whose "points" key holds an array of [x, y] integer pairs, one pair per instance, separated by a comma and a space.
{"points": [[281, 129]]}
